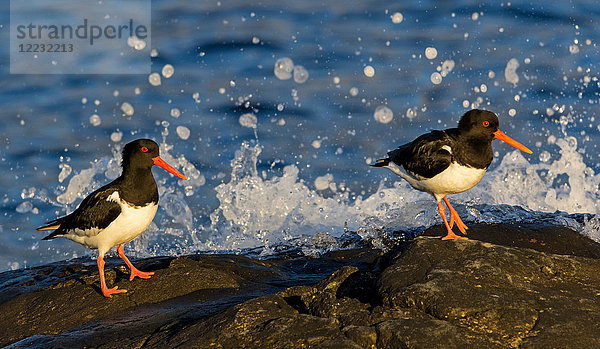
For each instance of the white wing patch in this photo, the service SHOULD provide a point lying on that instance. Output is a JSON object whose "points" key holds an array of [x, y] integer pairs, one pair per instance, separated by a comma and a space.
{"points": [[447, 148], [114, 197]]}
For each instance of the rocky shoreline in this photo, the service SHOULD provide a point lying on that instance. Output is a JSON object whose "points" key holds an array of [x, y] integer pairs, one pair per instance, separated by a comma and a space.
{"points": [[510, 285]]}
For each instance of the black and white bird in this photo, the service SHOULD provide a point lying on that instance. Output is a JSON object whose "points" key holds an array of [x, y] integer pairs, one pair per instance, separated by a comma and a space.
{"points": [[119, 211], [449, 161]]}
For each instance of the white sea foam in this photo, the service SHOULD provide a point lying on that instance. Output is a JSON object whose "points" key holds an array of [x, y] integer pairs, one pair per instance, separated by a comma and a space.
{"points": [[255, 211]]}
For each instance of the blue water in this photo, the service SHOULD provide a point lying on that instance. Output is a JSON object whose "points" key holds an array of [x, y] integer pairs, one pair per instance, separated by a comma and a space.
{"points": [[225, 51]]}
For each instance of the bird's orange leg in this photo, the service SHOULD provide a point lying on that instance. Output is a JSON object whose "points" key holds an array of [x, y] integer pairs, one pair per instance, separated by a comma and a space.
{"points": [[134, 271], [454, 217], [107, 292], [451, 235]]}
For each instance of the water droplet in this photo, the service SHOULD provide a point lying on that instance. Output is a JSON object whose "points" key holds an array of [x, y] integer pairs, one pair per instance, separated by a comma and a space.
{"points": [[24, 207], [168, 71], [248, 120], [545, 156], [510, 72], [140, 45], [300, 74], [397, 17], [283, 68], [136, 43], [430, 52], [183, 132], [369, 71], [564, 120], [154, 79], [95, 120], [127, 109], [116, 136], [436, 78], [383, 114], [175, 112], [574, 49], [512, 112], [353, 91]]}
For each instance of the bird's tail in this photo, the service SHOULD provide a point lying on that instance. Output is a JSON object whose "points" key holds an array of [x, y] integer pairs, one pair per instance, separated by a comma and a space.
{"points": [[381, 162], [52, 225]]}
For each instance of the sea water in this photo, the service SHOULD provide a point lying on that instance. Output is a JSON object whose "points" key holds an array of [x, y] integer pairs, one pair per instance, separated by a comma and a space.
{"points": [[275, 111]]}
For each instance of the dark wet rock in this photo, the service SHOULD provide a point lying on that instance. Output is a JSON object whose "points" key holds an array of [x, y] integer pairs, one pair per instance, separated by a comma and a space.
{"points": [[511, 295], [264, 322], [539, 237], [60, 305], [509, 286]]}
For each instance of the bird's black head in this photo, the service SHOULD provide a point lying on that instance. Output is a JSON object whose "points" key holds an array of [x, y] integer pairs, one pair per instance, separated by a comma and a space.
{"points": [[140, 153], [482, 126], [479, 123]]}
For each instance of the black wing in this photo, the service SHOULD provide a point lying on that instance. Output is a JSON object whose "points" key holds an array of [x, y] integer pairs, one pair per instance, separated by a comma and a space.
{"points": [[95, 211], [426, 156]]}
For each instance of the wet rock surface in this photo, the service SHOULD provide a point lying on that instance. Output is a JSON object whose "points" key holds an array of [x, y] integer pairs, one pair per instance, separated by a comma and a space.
{"points": [[528, 286]]}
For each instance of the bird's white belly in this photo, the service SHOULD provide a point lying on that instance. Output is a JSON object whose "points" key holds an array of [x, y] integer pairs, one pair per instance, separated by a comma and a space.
{"points": [[455, 179], [132, 221]]}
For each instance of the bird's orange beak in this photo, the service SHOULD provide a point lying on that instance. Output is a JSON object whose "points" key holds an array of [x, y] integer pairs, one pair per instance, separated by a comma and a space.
{"points": [[503, 137], [160, 162]]}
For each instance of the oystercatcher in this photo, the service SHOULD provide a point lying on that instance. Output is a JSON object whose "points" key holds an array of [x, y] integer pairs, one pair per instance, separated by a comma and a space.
{"points": [[119, 211], [449, 161]]}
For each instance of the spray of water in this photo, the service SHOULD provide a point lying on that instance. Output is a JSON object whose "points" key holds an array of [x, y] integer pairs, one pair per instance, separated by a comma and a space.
{"points": [[258, 212]]}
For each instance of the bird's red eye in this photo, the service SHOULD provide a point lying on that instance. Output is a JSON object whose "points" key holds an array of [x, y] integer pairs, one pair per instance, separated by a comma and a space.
{"points": [[486, 123], [144, 149]]}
